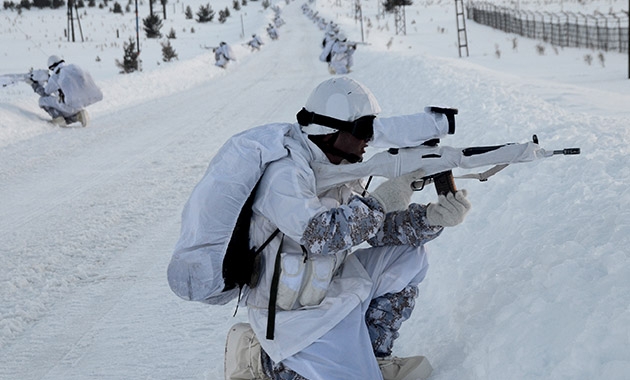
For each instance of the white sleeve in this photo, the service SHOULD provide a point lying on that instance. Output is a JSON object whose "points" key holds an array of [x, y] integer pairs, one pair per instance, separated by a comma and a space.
{"points": [[408, 130], [52, 85]]}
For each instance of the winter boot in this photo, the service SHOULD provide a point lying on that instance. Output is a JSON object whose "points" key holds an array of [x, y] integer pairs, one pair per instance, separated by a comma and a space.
{"points": [[242, 354], [59, 121], [83, 118], [411, 368]]}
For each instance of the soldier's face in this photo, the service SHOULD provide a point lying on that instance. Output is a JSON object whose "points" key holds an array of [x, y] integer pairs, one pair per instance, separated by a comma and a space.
{"points": [[350, 144]]}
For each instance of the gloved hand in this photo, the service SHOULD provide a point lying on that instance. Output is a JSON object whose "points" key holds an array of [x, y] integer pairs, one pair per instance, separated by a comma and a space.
{"points": [[41, 75], [449, 211], [395, 194]]}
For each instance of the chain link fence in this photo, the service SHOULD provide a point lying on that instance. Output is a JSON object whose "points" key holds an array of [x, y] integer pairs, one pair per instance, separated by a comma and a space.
{"points": [[608, 32]]}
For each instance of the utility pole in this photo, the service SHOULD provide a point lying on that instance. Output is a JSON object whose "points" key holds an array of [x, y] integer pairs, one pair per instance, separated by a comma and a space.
{"points": [[462, 36], [138, 30], [71, 21], [72, 10]]}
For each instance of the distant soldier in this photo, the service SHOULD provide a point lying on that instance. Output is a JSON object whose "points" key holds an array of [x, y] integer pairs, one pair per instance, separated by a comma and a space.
{"points": [[255, 43], [272, 31], [223, 54]]}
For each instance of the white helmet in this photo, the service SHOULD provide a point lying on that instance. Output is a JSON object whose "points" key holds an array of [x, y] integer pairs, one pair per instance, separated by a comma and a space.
{"points": [[53, 61], [339, 98]]}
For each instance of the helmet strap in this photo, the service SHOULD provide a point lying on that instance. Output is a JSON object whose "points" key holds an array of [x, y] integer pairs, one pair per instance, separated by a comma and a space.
{"points": [[327, 146]]}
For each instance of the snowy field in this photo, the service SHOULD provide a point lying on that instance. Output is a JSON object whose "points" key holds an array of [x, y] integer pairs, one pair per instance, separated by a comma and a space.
{"points": [[535, 284]]}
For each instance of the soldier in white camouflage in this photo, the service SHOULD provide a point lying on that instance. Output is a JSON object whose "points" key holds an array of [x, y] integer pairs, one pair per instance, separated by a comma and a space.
{"points": [[339, 303]]}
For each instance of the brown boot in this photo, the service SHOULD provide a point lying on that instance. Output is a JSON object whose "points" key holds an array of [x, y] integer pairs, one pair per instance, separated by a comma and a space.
{"points": [[242, 354], [411, 368]]}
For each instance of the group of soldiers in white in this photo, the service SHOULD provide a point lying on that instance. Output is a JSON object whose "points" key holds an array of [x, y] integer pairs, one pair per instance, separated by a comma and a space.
{"points": [[224, 54], [65, 90], [337, 51]]}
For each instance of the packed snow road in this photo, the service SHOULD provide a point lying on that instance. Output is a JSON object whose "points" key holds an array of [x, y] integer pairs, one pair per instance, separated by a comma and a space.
{"points": [[89, 218]]}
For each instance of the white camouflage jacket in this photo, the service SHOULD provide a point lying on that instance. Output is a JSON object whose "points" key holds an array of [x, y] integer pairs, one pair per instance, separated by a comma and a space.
{"points": [[328, 226]]}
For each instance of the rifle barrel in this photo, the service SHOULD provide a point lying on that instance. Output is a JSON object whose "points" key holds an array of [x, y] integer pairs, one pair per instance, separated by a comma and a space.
{"points": [[567, 151]]}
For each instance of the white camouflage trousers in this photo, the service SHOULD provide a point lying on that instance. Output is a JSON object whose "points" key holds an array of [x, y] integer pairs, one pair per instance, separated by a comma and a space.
{"points": [[349, 350]]}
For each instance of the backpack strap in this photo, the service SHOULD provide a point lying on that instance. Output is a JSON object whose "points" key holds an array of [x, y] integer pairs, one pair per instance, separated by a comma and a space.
{"points": [[273, 294], [254, 278], [273, 291]]}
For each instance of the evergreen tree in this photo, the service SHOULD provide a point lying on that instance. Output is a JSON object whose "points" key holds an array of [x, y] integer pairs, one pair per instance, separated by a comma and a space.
{"points": [[168, 53], [42, 3], [152, 25], [205, 13], [130, 60], [236, 5], [188, 13], [390, 5], [223, 15], [117, 8], [171, 35]]}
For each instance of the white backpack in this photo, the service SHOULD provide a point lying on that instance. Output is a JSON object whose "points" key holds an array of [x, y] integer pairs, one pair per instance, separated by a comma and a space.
{"points": [[212, 259]]}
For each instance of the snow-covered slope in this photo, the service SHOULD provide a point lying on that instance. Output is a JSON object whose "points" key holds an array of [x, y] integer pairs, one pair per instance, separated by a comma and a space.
{"points": [[534, 285]]}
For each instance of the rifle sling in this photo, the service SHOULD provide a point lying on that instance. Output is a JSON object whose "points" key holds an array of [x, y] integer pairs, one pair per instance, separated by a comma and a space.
{"points": [[273, 294], [485, 175]]}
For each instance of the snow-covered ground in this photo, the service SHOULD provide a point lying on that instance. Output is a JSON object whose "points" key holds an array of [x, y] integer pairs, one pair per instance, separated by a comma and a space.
{"points": [[534, 285]]}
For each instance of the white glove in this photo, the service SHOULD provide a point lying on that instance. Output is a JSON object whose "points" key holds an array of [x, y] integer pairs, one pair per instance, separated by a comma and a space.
{"points": [[450, 209], [395, 194], [40, 75]]}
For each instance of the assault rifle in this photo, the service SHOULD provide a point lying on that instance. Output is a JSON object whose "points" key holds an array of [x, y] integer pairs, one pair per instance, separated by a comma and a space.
{"points": [[11, 79], [445, 182], [35, 75], [437, 163]]}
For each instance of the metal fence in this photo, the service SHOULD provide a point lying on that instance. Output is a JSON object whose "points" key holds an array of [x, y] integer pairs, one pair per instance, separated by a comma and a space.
{"points": [[608, 32]]}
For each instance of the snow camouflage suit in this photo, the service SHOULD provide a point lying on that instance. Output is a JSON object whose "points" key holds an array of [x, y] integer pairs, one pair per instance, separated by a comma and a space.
{"points": [[371, 290], [68, 90]]}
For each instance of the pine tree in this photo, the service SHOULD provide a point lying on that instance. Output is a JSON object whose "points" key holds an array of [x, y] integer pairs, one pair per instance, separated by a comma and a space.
{"points": [[188, 13], [168, 53], [117, 8], [205, 13], [223, 16], [130, 60], [236, 5], [389, 5], [152, 25]]}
